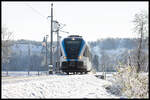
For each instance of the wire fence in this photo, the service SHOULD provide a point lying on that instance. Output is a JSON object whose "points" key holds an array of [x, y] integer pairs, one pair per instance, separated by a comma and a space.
{"points": [[23, 73]]}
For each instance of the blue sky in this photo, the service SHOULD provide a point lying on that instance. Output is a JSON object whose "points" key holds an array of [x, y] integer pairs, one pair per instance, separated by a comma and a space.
{"points": [[92, 20]]}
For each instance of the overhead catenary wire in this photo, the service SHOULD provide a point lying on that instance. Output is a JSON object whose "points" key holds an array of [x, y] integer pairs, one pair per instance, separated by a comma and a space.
{"points": [[43, 15], [64, 31], [39, 13], [35, 10]]}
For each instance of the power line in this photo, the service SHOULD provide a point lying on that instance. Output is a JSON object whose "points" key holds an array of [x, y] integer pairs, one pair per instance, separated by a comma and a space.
{"points": [[64, 31], [35, 10]]}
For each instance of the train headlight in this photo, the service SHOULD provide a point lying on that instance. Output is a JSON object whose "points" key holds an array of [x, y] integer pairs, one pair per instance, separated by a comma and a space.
{"points": [[65, 57], [80, 57]]}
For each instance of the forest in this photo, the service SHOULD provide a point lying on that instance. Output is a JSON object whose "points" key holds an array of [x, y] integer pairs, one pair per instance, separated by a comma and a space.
{"points": [[29, 55]]}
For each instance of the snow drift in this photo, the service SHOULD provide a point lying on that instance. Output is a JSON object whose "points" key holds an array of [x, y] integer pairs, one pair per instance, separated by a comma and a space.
{"points": [[55, 86]]}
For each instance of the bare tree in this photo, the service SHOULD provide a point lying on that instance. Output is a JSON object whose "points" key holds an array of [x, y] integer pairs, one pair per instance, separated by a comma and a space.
{"points": [[96, 62], [105, 62], [6, 45], [141, 28]]}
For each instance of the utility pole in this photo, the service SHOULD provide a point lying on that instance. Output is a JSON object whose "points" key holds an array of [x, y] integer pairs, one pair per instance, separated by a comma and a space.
{"points": [[57, 54], [51, 57], [51, 46], [58, 49], [57, 25]]}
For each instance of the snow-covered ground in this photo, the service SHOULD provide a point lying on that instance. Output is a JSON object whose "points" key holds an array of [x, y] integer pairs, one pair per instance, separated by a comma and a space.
{"points": [[55, 86]]}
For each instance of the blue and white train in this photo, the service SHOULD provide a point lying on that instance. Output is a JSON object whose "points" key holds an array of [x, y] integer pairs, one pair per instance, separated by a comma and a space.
{"points": [[75, 55]]}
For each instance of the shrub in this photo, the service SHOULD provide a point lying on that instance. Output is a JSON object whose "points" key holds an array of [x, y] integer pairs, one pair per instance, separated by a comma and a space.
{"points": [[130, 84]]}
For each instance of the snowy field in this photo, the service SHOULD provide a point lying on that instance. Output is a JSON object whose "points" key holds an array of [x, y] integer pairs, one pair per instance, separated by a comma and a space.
{"points": [[55, 86]]}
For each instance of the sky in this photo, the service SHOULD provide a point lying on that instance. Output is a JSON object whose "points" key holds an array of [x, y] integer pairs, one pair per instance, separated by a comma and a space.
{"points": [[91, 20]]}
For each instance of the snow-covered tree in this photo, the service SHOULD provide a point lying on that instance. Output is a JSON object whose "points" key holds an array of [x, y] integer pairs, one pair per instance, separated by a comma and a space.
{"points": [[141, 28]]}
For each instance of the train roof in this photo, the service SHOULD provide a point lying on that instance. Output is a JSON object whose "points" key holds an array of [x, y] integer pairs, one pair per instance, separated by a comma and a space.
{"points": [[74, 36]]}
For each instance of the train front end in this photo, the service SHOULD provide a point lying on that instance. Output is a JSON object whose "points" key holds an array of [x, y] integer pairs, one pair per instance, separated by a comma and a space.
{"points": [[72, 59]]}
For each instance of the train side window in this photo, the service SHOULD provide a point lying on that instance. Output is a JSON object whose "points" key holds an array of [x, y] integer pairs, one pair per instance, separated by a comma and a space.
{"points": [[60, 53], [85, 52]]}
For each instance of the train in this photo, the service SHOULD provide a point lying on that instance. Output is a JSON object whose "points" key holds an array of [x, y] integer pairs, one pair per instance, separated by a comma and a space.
{"points": [[75, 56]]}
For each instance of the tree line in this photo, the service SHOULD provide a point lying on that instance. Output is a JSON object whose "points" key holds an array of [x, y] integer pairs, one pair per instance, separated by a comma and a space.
{"points": [[135, 54]]}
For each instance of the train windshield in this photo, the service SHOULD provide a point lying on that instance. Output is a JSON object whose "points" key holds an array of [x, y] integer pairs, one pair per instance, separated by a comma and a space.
{"points": [[72, 48]]}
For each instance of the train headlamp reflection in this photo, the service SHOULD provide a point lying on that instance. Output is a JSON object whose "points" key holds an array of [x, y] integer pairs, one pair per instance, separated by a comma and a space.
{"points": [[79, 57], [65, 57]]}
